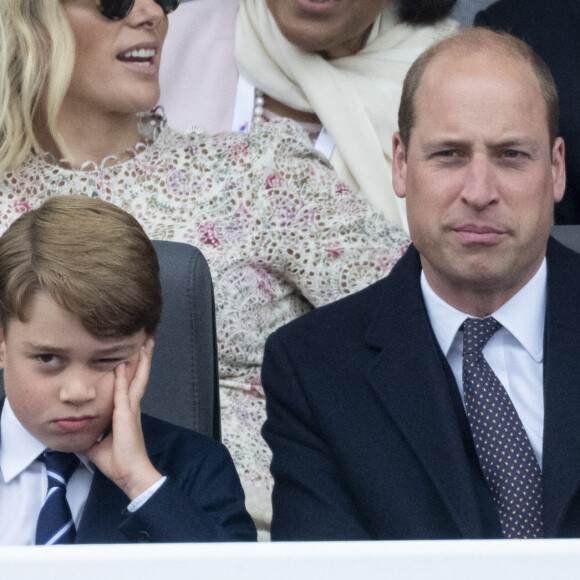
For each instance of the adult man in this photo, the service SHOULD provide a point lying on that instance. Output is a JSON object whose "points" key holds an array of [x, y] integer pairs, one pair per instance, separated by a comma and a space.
{"points": [[371, 403]]}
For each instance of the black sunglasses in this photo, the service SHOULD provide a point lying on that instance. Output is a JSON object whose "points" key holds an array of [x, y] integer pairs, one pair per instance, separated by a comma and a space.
{"points": [[118, 9]]}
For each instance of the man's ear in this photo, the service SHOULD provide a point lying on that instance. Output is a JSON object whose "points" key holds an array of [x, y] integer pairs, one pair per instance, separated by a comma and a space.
{"points": [[399, 166], [559, 169], [2, 347]]}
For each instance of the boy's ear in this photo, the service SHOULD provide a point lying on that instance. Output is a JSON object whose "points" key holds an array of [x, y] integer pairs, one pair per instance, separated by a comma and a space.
{"points": [[2, 347]]}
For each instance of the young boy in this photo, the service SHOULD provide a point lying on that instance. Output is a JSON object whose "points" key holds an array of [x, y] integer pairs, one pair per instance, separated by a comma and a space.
{"points": [[80, 301]]}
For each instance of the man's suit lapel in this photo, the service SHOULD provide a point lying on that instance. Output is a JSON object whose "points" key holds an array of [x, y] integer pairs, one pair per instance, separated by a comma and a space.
{"points": [[561, 455], [412, 381]]}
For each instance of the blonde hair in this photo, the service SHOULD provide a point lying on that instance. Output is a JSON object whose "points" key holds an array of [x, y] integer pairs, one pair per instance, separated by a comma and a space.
{"points": [[37, 51], [91, 257]]}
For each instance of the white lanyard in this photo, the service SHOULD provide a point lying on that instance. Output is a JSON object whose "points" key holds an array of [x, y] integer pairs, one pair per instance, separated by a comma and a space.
{"points": [[244, 112]]}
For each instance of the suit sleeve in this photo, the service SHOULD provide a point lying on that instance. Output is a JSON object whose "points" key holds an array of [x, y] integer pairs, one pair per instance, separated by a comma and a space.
{"points": [[203, 502], [310, 500]]}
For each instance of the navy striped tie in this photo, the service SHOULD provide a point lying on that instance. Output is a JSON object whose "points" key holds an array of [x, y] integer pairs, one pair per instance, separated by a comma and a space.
{"points": [[505, 454], [55, 523]]}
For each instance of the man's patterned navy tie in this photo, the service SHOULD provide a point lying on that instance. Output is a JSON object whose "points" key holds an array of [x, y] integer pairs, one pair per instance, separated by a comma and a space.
{"points": [[503, 448], [55, 524]]}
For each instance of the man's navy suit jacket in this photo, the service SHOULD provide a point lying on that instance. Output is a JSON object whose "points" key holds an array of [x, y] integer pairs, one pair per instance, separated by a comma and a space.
{"points": [[368, 431], [552, 29], [201, 501]]}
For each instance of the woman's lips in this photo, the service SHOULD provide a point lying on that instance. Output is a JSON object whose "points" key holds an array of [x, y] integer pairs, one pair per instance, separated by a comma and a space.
{"points": [[316, 6], [142, 59]]}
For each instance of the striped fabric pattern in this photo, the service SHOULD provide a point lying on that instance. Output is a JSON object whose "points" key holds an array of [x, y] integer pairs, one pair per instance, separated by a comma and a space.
{"points": [[55, 523]]}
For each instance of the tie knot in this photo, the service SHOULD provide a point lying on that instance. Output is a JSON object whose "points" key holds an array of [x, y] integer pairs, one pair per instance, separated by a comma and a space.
{"points": [[476, 333], [59, 466]]}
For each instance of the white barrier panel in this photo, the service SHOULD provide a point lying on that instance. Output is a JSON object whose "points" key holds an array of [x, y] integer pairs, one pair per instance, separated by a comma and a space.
{"points": [[425, 560]]}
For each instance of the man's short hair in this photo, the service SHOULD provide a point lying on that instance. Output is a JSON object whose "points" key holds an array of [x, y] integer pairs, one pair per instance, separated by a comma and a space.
{"points": [[472, 41], [91, 257]]}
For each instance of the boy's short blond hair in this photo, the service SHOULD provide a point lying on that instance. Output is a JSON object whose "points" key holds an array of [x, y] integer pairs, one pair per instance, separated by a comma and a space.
{"points": [[91, 257]]}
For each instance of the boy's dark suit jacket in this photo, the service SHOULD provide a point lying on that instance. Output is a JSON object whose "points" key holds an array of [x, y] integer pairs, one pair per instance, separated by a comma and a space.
{"points": [[367, 427], [201, 500], [552, 29]]}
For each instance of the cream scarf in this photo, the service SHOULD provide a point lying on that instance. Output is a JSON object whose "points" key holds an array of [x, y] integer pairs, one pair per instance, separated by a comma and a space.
{"points": [[356, 98]]}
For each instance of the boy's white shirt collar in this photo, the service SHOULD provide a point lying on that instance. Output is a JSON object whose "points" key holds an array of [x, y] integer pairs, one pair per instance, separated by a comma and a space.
{"points": [[523, 315], [18, 448]]}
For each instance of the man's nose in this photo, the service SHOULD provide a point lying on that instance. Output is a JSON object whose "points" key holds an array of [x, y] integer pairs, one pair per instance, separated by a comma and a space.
{"points": [[479, 188]]}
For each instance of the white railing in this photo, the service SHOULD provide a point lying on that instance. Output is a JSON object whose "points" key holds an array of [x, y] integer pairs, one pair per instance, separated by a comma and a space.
{"points": [[425, 560]]}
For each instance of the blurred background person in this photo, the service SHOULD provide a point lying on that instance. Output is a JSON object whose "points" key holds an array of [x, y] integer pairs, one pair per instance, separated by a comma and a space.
{"points": [[465, 10], [335, 67]]}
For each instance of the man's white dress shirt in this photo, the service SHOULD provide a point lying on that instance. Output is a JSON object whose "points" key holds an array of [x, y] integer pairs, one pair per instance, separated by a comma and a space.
{"points": [[515, 352]]}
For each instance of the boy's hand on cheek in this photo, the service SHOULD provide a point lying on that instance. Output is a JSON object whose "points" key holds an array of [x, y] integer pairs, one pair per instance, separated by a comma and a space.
{"points": [[121, 455]]}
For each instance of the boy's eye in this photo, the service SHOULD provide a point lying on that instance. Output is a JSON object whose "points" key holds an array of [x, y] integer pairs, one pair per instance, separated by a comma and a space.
{"points": [[48, 359], [109, 361]]}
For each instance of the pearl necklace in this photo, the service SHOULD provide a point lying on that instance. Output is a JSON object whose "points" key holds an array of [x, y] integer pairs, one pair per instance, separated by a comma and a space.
{"points": [[258, 113], [250, 110]]}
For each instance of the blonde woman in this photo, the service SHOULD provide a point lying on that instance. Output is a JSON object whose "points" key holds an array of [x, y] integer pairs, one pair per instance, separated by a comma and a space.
{"points": [[282, 234]]}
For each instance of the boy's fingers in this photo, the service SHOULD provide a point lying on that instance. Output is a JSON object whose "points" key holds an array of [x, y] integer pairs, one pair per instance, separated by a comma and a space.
{"points": [[121, 386], [139, 382], [149, 344], [120, 373], [98, 449]]}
